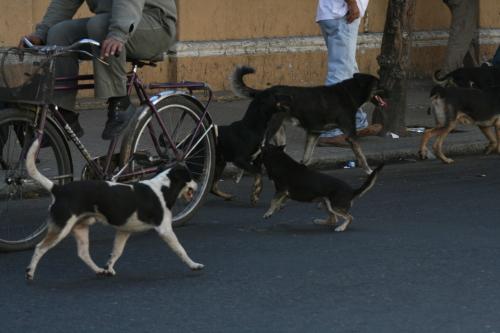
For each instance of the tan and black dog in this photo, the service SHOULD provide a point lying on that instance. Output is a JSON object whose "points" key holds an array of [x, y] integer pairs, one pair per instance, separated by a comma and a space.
{"points": [[454, 105]]}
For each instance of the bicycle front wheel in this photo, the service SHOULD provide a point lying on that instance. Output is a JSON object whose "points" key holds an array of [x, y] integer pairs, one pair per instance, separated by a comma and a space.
{"points": [[181, 117], [23, 202]]}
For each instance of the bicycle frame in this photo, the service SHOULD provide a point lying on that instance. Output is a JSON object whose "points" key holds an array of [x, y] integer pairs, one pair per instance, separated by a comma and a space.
{"points": [[133, 83]]}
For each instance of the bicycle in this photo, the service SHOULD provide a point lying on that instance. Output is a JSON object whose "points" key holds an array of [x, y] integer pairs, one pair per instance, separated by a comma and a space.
{"points": [[171, 126]]}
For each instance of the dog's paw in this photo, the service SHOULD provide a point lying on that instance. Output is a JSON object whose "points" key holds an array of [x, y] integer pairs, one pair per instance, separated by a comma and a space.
{"points": [[29, 275], [267, 215], [341, 228], [238, 176], [426, 155], [196, 267], [490, 149], [447, 160], [106, 272], [422, 154], [254, 200]]}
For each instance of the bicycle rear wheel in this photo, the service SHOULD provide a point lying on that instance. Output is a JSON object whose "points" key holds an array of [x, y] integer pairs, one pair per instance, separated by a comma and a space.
{"points": [[180, 116], [23, 202]]}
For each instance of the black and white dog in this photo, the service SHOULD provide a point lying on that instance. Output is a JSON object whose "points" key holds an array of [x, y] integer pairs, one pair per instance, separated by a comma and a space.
{"points": [[296, 181], [316, 109], [129, 208], [240, 141]]}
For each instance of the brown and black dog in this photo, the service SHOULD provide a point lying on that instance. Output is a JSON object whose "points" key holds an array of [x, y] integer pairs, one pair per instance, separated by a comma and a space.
{"points": [[454, 105]]}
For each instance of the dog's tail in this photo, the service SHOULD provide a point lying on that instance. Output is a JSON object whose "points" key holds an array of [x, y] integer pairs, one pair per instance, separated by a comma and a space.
{"points": [[31, 167], [369, 182], [442, 81], [238, 86]]}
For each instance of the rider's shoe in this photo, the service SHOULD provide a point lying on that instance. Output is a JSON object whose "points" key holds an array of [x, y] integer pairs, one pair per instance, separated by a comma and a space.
{"points": [[120, 113]]}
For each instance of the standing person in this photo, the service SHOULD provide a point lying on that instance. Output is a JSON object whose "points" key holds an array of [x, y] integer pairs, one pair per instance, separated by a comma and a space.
{"points": [[339, 22], [463, 30], [138, 29]]}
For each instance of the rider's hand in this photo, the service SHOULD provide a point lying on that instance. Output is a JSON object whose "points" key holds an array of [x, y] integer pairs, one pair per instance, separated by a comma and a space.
{"points": [[110, 47], [352, 11], [32, 38]]}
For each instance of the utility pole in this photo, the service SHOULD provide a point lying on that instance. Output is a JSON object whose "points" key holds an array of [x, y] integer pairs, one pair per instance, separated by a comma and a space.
{"points": [[393, 61]]}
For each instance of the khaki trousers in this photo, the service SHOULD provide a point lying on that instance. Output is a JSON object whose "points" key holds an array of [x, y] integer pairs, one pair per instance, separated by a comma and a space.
{"points": [[463, 31], [151, 38]]}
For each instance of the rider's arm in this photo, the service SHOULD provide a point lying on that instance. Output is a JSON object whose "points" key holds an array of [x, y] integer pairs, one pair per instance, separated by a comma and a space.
{"points": [[125, 17], [58, 10]]}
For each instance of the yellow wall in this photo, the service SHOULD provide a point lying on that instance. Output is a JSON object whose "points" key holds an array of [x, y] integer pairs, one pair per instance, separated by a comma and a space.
{"points": [[278, 37]]}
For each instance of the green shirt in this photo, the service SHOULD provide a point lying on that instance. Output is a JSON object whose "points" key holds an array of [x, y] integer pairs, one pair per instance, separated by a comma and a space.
{"points": [[126, 14]]}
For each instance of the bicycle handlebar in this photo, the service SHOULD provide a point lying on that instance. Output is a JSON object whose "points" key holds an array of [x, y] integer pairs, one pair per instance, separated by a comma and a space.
{"points": [[58, 50]]}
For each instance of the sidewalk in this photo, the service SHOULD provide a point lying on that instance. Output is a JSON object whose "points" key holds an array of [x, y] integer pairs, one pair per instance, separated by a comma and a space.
{"points": [[465, 140]]}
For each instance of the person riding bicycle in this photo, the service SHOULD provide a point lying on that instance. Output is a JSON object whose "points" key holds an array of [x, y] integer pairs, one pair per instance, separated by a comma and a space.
{"points": [[134, 29]]}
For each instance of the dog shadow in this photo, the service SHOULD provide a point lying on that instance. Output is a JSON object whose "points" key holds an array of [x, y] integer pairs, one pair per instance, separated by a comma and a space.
{"points": [[122, 279], [305, 228]]}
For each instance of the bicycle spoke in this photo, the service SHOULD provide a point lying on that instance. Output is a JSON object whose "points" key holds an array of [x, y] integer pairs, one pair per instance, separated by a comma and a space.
{"points": [[181, 120]]}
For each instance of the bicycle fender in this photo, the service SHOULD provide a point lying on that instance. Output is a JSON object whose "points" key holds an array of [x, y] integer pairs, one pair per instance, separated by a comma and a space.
{"points": [[170, 93]]}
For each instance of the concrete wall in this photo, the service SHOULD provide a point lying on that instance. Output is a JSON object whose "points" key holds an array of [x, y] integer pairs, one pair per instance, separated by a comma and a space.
{"points": [[278, 37]]}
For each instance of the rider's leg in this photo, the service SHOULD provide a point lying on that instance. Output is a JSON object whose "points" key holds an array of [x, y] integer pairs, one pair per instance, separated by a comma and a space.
{"points": [[63, 34], [149, 38]]}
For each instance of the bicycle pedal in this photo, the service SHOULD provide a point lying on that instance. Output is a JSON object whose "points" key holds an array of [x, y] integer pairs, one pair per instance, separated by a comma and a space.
{"points": [[146, 159]]}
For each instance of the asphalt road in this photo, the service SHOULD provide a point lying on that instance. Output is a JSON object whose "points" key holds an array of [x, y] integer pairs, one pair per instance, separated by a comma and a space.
{"points": [[422, 255]]}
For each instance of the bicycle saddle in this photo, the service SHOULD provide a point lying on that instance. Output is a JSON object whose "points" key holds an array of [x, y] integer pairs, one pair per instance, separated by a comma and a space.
{"points": [[151, 61]]}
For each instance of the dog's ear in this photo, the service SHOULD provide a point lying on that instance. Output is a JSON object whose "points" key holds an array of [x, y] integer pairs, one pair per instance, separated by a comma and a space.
{"points": [[366, 81], [180, 172]]}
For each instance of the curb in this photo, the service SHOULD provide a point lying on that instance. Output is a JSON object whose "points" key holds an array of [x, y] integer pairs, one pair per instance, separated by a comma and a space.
{"points": [[401, 155], [388, 157]]}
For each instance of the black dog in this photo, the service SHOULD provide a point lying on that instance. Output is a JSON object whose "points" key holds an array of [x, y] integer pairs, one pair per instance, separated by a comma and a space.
{"points": [[452, 105], [240, 141], [295, 181], [470, 77], [317, 109], [128, 208]]}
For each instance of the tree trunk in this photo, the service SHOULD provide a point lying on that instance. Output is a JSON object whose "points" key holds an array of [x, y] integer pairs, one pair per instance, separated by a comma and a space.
{"points": [[393, 61]]}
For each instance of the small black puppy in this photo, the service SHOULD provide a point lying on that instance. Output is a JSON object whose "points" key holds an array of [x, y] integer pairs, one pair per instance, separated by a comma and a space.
{"points": [[470, 77], [295, 181], [129, 208], [240, 141]]}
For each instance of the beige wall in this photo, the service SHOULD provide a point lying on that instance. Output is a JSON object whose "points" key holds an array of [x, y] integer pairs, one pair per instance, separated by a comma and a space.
{"points": [[278, 37]]}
